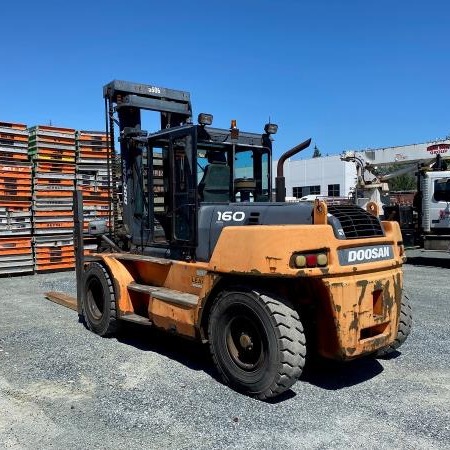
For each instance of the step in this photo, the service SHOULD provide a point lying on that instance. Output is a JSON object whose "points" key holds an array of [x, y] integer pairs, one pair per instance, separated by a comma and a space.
{"points": [[169, 295], [135, 318]]}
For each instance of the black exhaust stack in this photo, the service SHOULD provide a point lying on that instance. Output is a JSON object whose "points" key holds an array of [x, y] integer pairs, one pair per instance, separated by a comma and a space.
{"points": [[280, 181]]}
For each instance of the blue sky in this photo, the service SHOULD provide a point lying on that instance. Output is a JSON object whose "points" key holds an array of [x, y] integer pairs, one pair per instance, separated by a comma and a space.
{"points": [[349, 74]]}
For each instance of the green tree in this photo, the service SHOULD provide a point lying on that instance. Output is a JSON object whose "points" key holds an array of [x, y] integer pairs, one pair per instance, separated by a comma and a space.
{"points": [[316, 153], [403, 182]]}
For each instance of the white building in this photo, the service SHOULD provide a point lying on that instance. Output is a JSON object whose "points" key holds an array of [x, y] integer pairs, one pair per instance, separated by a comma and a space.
{"points": [[330, 176]]}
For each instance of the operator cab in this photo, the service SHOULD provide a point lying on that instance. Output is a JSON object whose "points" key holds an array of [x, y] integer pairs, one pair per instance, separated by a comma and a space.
{"points": [[187, 167]]}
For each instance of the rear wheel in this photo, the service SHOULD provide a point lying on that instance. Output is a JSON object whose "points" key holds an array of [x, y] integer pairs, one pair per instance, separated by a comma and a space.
{"points": [[99, 302], [257, 343], [404, 328]]}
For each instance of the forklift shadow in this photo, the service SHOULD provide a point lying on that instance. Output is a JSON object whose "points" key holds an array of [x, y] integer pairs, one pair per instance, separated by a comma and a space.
{"points": [[335, 375], [191, 354], [325, 374]]}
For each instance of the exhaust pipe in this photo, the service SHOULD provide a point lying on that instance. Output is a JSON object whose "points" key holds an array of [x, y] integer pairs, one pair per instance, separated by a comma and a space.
{"points": [[280, 181]]}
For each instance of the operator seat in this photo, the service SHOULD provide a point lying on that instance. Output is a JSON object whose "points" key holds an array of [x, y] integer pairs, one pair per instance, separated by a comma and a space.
{"points": [[215, 183]]}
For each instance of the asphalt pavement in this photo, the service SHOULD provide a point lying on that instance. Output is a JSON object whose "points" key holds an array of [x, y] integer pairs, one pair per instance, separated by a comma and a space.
{"points": [[64, 387]]}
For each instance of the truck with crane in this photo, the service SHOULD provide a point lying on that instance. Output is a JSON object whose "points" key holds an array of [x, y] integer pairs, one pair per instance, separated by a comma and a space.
{"points": [[428, 215], [197, 246]]}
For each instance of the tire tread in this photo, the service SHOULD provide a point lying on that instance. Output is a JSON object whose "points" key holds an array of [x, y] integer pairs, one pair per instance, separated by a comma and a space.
{"points": [[112, 326], [291, 343], [292, 350], [404, 329]]}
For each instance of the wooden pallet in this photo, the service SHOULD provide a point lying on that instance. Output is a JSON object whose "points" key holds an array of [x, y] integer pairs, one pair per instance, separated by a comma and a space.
{"points": [[54, 252], [13, 143], [16, 256], [15, 246], [47, 167], [13, 126]]}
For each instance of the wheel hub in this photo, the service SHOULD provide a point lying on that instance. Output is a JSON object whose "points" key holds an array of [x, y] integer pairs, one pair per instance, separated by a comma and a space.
{"points": [[246, 341]]}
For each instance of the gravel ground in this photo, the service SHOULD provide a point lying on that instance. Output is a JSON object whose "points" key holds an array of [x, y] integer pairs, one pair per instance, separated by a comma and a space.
{"points": [[64, 387]]}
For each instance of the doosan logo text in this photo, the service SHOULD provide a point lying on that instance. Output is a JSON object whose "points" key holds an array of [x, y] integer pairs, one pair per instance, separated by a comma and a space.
{"points": [[369, 254]]}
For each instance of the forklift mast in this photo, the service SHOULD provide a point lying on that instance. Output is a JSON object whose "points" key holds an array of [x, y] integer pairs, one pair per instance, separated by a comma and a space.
{"points": [[125, 101]]}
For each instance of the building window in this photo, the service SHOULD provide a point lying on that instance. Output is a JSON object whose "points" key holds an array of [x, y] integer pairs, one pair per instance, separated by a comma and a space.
{"points": [[301, 191], [297, 192], [334, 190]]}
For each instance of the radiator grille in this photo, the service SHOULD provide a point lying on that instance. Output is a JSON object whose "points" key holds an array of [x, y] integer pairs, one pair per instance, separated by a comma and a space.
{"points": [[356, 222]]}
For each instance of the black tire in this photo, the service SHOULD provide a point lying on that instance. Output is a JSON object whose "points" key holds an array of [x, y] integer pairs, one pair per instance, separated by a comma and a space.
{"points": [[404, 328], [257, 343], [99, 301]]}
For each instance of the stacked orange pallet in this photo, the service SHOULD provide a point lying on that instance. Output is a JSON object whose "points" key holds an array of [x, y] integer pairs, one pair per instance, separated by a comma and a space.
{"points": [[52, 150], [92, 179], [13, 142], [16, 254]]}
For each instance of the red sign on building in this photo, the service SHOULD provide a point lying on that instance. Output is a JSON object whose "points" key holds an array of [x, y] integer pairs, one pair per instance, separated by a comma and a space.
{"points": [[438, 148]]}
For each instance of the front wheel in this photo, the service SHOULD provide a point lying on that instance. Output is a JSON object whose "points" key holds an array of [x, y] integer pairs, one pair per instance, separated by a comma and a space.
{"points": [[257, 343], [99, 302]]}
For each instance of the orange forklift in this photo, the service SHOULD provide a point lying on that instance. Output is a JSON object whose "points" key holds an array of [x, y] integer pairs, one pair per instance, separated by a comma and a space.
{"points": [[200, 245]]}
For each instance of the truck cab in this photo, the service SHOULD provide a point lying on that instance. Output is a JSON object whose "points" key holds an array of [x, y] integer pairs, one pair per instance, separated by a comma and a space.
{"points": [[434, 208]]}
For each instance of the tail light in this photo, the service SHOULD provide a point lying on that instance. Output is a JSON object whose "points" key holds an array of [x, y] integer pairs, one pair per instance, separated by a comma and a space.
{"points": [[309, 260]]}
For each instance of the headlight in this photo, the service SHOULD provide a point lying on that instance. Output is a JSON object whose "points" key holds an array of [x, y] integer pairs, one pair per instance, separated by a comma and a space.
{"points": [[271, 128], [205, 119]]}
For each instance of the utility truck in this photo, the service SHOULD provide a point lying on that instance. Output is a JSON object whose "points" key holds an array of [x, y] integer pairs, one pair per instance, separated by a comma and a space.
{"points": [[433, 205], [197, 246]]}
